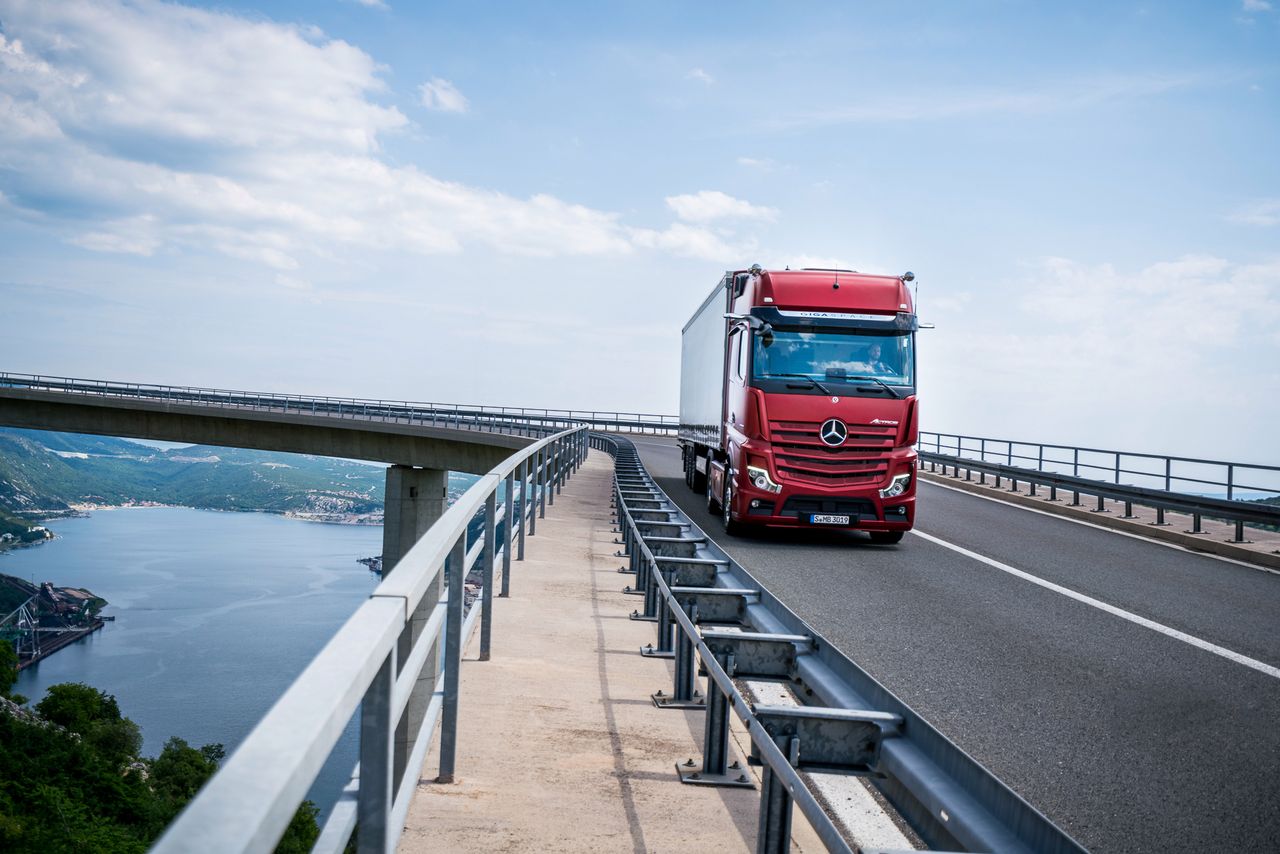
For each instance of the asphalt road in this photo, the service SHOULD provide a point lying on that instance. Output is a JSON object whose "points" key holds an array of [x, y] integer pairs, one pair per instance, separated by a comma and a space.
{"points": [[1128, 738]]}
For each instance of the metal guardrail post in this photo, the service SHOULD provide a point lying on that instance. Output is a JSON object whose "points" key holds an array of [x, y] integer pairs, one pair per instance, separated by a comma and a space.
{"points": [[773, 830], [487, 557], [377, 742], [715, 740], [523, 522], [509, 535], [536, 486], [553, 471], [562, 463], [453, 660], [684, 690], [655, 612], [542, 482], [647, 581]]}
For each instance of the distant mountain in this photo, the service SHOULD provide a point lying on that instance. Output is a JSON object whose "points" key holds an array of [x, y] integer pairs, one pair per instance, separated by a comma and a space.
{"points": [[42, 471]]}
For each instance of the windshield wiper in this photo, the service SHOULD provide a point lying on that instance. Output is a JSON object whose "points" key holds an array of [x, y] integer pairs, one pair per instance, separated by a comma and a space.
{"points": [[819, 386], [884, 384]]}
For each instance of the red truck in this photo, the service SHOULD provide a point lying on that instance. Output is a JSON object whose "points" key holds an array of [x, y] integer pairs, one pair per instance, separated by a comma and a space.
{"points": [[798, 401]]}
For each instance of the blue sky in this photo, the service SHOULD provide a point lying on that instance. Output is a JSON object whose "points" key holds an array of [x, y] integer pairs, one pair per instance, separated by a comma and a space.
{"points": [[522, 204]]}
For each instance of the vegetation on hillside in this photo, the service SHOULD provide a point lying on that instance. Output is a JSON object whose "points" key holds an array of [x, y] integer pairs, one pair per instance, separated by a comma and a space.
{"points": [[71, 779], [41, 471]]}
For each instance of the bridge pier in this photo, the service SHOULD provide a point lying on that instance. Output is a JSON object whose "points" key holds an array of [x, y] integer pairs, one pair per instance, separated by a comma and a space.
{"points": [[415, 499]]}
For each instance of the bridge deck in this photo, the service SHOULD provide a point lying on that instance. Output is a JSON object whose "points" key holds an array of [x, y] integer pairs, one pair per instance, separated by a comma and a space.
{"points": [[560, 747]]}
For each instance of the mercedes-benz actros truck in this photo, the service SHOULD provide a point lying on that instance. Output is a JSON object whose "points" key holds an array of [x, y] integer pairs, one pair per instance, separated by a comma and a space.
{"points": [[798, 401]]}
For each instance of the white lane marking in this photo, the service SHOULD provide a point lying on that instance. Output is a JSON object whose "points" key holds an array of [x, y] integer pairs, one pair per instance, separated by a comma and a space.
{"points": [[1228, 654], [1131, 534]]}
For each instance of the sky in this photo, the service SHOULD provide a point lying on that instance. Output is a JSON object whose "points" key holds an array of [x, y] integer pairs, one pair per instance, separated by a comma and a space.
{"points": [[522, 204]]}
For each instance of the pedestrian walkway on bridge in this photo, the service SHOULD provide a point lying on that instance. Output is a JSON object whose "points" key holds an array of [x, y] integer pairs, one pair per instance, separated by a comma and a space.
{"points": [[559, 746]]}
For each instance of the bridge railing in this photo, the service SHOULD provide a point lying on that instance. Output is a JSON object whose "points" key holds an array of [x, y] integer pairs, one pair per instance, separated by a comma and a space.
{"points": [[465, 416], [1200, 488], [1189, 475], [248, 804], [708, 608]]}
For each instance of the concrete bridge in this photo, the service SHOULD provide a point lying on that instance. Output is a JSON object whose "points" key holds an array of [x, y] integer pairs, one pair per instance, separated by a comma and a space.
{"points": [[1032, 671]]}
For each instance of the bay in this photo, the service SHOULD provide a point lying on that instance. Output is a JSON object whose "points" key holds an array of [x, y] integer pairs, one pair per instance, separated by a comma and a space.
{"points": [[216, 614]]}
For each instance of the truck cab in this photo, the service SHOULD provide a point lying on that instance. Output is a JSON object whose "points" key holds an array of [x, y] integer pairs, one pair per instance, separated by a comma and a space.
{"points": [[817, 401]]}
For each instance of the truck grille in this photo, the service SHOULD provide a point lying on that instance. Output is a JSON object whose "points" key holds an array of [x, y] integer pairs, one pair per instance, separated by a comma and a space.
{"points": [[800, 455]]}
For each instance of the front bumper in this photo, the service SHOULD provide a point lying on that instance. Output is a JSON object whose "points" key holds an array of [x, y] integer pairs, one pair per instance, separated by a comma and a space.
{"points": [[795, 508]]}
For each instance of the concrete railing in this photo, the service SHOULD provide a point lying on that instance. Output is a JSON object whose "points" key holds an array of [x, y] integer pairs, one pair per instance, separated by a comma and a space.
{"points": [[464, 416], [709, 609], [248, 804]]}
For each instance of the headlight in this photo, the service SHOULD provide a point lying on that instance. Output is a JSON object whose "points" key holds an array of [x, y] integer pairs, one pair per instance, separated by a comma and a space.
{"points": [[760, 479], [897, 486]]}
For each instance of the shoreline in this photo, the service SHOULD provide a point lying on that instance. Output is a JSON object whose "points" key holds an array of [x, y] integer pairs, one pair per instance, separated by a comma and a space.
{"points": [[84, 510]]}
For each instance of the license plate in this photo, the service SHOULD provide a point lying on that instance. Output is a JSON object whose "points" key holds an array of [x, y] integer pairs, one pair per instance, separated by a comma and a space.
{"points": [[817, 519]]}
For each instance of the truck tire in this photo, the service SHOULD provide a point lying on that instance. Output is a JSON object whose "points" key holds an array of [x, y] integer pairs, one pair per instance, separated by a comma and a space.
{"points": [[713, 502], [730, 527], [886, 538]]}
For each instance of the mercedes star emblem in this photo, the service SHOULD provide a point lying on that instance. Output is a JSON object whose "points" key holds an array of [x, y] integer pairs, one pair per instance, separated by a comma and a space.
{"points": [[833, 432]]}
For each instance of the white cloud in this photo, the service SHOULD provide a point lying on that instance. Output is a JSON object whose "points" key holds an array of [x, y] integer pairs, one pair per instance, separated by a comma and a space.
{"points": [[682, 239], [1256, 6], [756, 162], [1262, 212], [374, 4], [1113, 356], [155, 125], [133, 236], [701, 76], [439, 94], [711, 205]]}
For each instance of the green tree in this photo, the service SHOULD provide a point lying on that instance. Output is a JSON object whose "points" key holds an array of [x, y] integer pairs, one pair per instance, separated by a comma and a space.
{"points": [[8, 667], [75, 705], [303, 831], [180, 770], [96, 716], [71, 787]]}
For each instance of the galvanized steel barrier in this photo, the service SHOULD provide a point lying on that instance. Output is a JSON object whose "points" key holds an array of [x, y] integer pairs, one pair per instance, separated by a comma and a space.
{"points": [[708, 609], [464, 416], [248, 804], [1062, 471]]}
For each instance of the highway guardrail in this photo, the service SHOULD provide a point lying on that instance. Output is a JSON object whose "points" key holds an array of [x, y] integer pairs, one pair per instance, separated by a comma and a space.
{"points": [[465, 416], [1059, 467], [707, 608]]}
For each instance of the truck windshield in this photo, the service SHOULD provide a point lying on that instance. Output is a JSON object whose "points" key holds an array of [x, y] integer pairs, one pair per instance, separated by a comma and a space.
{"points": [[834, 357]]}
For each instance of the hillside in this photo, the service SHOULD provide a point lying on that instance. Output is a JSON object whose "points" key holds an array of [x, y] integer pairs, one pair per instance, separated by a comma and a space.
{"points": [[42, 473]]}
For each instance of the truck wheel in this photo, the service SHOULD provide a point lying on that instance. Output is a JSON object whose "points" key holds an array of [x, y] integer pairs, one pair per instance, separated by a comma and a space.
{"points": [[886, 538], [730, 526], [713, 505]]}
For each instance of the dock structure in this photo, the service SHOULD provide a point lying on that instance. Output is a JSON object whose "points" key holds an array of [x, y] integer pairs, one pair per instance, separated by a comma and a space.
{"points": [[560, 747]]}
